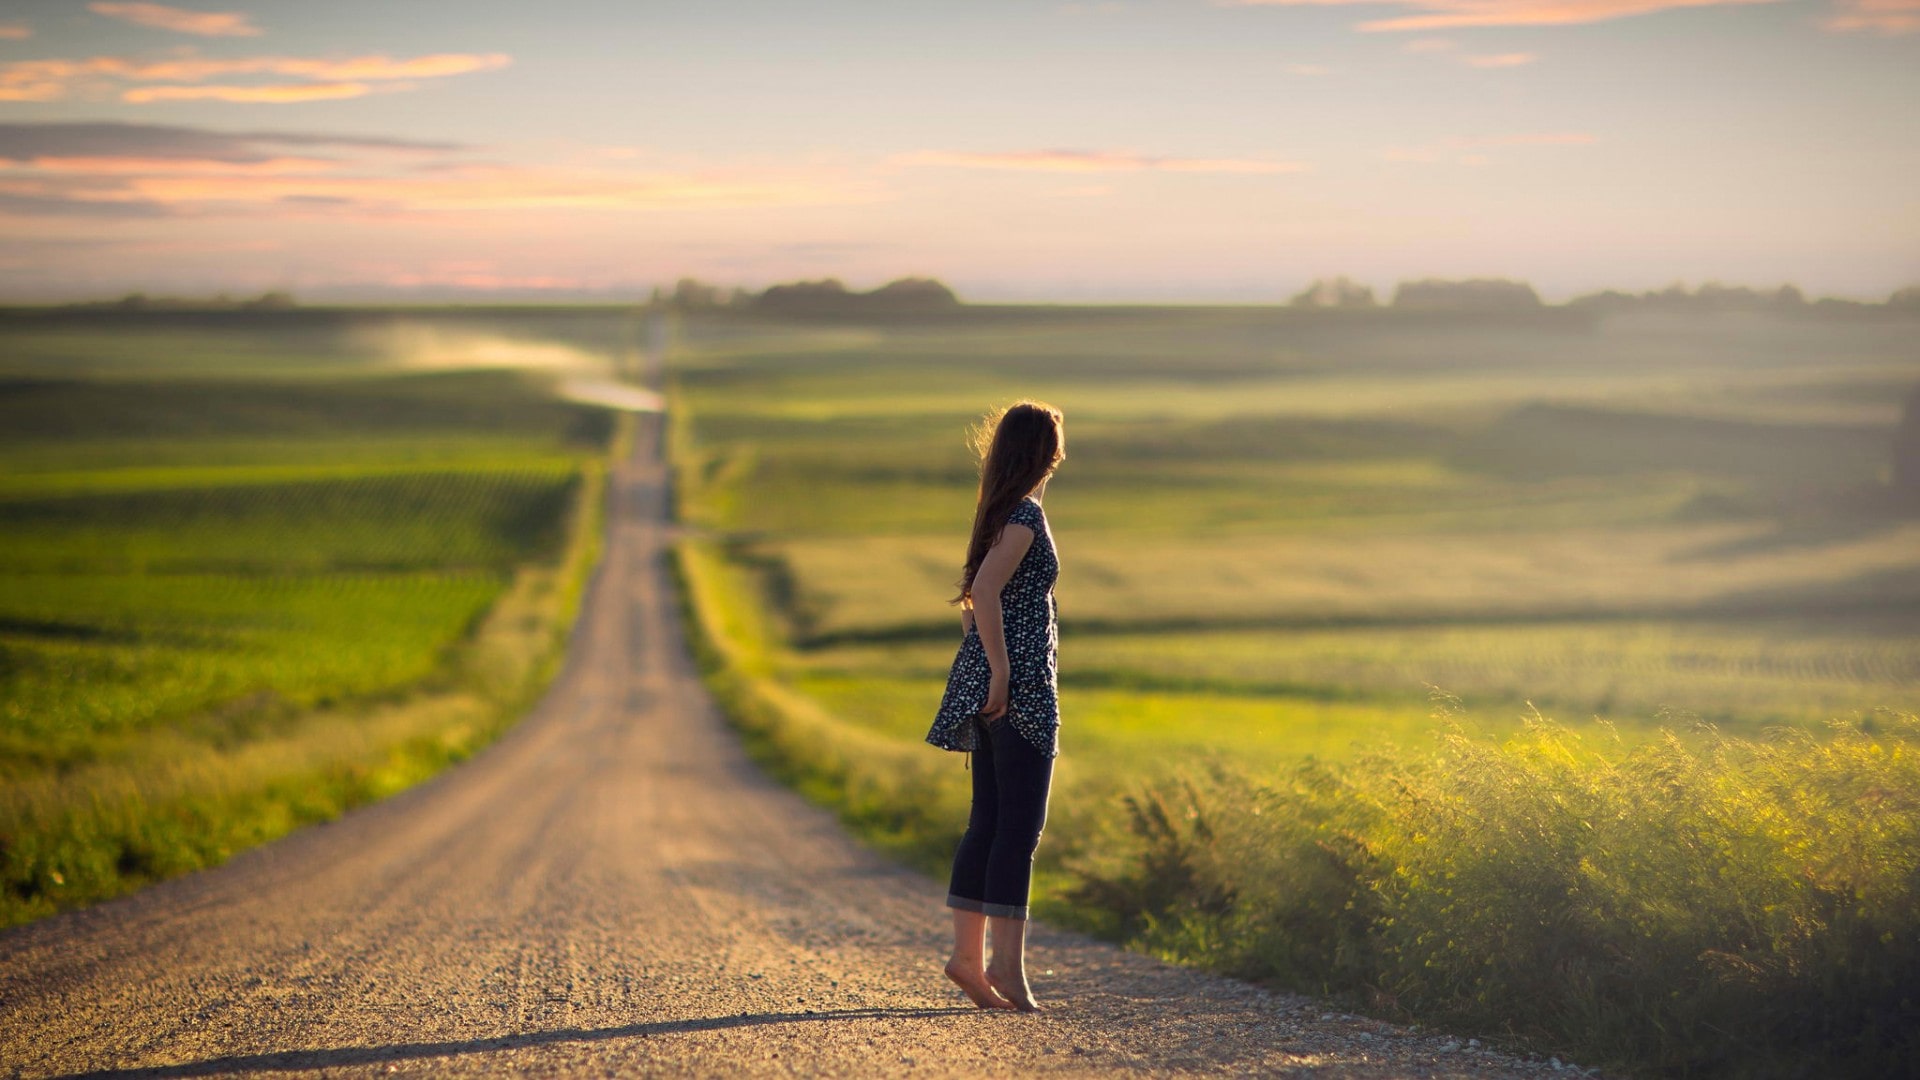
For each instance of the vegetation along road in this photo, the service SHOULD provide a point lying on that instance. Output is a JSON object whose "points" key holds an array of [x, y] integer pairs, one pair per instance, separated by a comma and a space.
{"points": [[613, 887]]}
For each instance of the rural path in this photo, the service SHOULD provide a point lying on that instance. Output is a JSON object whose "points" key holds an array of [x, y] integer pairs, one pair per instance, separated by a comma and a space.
{"points": [[613, 889]]}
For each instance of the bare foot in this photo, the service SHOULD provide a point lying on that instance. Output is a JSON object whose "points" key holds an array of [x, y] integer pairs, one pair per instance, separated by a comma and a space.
{"points": [[974, 982], [1012, 985]]}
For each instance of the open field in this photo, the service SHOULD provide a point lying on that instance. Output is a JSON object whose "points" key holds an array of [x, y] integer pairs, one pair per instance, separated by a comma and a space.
{"points": [[1609, 519], [258, 567], [1313, 558]]}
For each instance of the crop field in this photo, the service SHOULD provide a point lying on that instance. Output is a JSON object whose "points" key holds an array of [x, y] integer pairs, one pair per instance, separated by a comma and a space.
{"points": [[1368, 623], [255, 568], [1281, 519]]}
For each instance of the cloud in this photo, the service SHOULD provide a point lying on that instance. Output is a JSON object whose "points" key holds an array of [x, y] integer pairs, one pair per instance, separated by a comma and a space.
{"points": [[15, 31], [1876, 16], [180, 20], [1427, 45], [483, 189], [271, 94], [1499, 60], [1438, 14], [434, 66], [55, 79], [113, 140], [33, 194], [1090, 161], [138, 166], [146, 170]]}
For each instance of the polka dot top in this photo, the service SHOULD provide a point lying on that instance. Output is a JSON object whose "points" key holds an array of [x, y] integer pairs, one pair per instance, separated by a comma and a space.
{"points": [[1030, 618]]}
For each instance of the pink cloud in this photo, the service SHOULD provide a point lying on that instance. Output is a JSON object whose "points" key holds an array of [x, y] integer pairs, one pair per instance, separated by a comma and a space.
{"points": [[15, 31], [180, 20], [1499, 60], [161, 171], [1437, 14], [270, 95], [54, 79], [1875, 16]]}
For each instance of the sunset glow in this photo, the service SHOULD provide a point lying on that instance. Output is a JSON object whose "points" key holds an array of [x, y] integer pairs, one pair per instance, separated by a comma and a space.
{"points": [[1178, 150]]}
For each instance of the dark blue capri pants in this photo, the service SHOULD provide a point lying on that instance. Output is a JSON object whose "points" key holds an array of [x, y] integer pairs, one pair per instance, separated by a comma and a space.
{"points": [[993, 868]]}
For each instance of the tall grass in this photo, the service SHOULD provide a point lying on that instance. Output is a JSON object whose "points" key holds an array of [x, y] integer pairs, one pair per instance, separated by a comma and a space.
{"points": [[1701, 906], [1275, 533], [1692, 905]]}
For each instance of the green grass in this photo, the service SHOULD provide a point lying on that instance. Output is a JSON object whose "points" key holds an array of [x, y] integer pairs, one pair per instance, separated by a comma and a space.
{"points": [[1281, 537], [252, 573]]}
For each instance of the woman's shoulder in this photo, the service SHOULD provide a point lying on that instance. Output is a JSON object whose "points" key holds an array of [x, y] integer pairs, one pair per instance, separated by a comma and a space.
{"points": [[1028, 512]]}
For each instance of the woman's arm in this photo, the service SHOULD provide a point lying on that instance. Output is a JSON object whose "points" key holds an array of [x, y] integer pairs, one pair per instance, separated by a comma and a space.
{"points": [[995, 570]]}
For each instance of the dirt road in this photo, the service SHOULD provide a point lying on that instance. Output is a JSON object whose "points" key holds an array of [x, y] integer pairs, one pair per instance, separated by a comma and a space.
{"points": [[613, 889]]}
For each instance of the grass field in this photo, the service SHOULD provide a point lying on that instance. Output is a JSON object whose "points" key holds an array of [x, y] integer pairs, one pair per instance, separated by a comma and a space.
{"points": [[256, 568], [1286, 535], [1258, 508]]}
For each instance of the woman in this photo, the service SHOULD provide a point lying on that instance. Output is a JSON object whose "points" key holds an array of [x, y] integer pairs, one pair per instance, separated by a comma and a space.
{"points": [[1001, 703]]}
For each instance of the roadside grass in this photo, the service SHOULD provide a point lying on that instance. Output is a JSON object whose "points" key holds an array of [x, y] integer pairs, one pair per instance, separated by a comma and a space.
{"points": [[1324, 584], [1672, 902], [231, 606], [189, 794]]}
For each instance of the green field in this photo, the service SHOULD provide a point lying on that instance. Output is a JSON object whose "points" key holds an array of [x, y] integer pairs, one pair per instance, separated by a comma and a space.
{"points": [[1290, 517], [1646, 543], [258, 567], [1550, 677]]}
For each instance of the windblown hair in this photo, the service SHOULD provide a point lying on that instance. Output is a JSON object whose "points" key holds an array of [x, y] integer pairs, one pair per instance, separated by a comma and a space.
{"points": [[1019, 446]]}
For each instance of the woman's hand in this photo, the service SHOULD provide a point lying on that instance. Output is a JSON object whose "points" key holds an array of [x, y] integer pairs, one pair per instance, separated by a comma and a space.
{"points": [[996, 705]]}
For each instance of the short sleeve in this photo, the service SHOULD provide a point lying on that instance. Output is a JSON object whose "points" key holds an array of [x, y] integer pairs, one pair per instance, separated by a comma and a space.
{"points": [[1027, 512]]}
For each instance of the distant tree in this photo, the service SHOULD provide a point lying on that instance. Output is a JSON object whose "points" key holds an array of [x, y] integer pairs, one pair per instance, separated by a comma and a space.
{"points": [[1475, 294], [694, 293], [911, 293], [1606, 300], [271, 300], [827, 294], [1338, 292], [1907, 298], [1711, 296], [831, 296], [1674, 295], [690, 293], [1906, 451], [1718, 297]]}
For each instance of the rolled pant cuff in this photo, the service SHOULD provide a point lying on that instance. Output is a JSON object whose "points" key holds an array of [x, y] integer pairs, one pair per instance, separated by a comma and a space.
{"points": [[997, 911]]}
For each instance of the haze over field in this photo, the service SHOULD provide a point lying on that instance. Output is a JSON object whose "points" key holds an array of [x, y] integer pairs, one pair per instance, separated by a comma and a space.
{"points": [[1137, 150]]}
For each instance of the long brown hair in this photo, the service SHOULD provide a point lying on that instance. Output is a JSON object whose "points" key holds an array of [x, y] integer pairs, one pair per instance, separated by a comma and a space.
{"points": [[1019, 446]]}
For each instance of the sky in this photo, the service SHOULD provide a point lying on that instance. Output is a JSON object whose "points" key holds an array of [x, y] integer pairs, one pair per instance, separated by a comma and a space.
{"points": [[1105, 150]]}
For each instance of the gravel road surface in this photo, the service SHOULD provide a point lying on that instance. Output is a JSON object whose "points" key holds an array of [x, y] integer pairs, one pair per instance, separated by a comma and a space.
{"points": [[613, 889]]}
